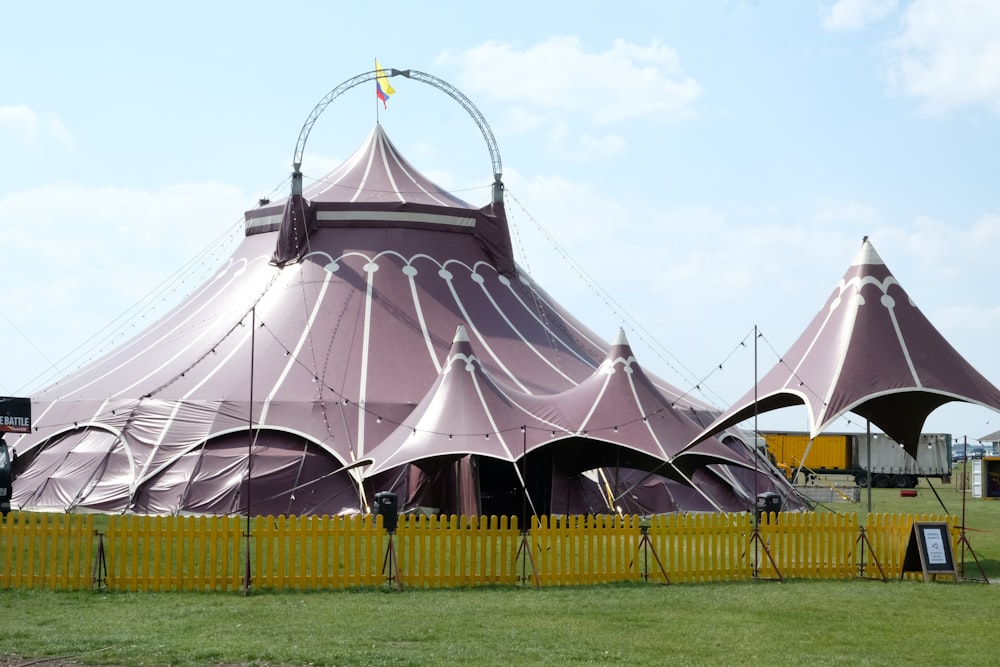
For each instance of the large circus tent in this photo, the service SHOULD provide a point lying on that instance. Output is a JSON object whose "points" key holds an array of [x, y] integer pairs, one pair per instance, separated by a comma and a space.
{"points": [[374, 332]]}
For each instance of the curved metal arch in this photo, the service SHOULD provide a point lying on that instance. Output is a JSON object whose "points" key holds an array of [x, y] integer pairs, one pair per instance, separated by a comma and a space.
{"points": [[469, 107], [416, 75]]}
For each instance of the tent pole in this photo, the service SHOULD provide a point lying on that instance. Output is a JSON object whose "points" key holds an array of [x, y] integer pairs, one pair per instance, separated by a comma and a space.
{"points": [[524, 473], [253, 333], [755, 536], [868, 437], [756, 430], [965, 489], [617, 492]]}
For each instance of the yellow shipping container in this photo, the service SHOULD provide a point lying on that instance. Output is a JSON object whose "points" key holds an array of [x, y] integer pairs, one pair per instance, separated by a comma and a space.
{"points": [[829, 452]]}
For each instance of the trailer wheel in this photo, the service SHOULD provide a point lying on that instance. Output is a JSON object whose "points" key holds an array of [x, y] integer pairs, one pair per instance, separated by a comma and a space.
{"points": [[861, 479], [901, 481], [881, 481]]}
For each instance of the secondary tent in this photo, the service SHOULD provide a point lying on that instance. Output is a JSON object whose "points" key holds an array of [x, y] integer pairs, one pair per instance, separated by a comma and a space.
{"points": [[869, 351]]}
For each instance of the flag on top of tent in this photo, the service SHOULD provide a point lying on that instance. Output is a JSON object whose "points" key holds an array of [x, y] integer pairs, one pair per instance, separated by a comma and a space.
{"points": [[382, 88]]}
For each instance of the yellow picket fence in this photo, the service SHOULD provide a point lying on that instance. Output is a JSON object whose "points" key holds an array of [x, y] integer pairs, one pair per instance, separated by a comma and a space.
{"points": [[583, 550], [701, 547], [164, 553], [61, 551], [808, 546], [310, 552], [52, 551], [451, 551]]}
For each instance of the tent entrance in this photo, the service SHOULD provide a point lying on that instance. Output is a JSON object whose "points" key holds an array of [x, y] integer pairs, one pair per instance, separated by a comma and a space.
{"points": [[500, 489]]}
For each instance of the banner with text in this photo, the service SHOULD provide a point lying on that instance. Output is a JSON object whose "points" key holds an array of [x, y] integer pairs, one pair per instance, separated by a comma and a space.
{"points": [[15, 415]]}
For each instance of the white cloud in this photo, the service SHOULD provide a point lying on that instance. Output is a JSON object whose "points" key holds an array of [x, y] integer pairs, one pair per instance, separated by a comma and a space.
{"points": [[316, 166], [856, 14], [950, 247], [948, 54], [517, 120], [116, 221], [830, 210], [594, 147], [582, 148], [30, 129], [555, 87], [573, 213], [981, 321], [624, 82]]}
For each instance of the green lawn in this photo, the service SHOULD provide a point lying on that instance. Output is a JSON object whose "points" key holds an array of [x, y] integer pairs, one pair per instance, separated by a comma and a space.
{"points": [[757, 623]]}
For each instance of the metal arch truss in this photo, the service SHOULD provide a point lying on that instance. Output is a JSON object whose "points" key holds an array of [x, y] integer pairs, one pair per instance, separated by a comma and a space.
{"points": [[416, 75]]}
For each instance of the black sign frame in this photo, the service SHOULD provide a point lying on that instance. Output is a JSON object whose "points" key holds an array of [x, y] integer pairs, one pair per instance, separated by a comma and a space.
{"points": [[15, 414], [930, 550]]}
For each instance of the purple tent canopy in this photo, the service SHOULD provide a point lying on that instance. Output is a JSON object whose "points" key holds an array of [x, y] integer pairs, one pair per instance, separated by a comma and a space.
{"points": [[320, 359], [869, 351]]}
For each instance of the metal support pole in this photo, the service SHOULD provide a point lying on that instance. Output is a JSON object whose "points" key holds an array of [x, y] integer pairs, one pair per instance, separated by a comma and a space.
{"points": [[868, 433]]}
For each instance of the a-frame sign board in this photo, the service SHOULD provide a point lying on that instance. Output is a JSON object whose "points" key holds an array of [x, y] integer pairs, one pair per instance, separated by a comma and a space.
{"points": [[930, 550]]}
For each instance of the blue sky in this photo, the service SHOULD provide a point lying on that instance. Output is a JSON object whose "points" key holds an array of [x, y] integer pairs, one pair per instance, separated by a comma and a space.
{"points": [[709, 167]]}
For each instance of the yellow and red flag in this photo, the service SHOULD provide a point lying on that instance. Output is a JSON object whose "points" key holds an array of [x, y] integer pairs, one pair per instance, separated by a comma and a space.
{"points": [[382, 88]]}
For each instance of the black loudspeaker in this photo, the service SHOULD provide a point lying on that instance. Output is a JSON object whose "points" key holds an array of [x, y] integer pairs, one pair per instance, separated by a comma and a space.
{"points": [[767, 503], [387, 504]]}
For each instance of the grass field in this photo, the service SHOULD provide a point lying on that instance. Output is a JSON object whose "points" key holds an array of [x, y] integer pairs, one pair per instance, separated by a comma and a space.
{"points": [[758, 623], [755, 623]]}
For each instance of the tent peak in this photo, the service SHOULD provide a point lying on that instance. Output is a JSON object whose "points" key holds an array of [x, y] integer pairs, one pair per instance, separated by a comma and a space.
{"points": [[461, 335], [377, 173], [867, 255], [620, 339]]}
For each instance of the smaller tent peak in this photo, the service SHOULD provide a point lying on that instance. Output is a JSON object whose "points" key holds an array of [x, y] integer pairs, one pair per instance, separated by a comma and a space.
{"points": [[620, 352], [461, 335], [867, 255], [620, 339]]}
